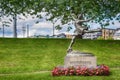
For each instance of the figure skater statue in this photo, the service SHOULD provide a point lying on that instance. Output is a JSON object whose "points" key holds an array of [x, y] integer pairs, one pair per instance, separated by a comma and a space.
{"points": [[79, 29]]}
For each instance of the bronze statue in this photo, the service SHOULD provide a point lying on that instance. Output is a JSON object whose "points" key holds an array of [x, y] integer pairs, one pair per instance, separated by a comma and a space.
{"points": [[80, 29]]}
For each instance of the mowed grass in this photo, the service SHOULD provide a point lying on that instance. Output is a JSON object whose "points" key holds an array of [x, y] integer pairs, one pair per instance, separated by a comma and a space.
{"points": [[47, 76], [19, 56], [26, 55]]}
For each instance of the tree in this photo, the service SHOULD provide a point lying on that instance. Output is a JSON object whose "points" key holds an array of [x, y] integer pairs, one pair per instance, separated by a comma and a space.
{"points": [[98, 11], [102, 10], [4, 24], [14, 8]]}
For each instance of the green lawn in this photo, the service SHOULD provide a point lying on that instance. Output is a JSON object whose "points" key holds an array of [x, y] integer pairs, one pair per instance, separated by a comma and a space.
{"points": [[47, 76], [19, 56]]}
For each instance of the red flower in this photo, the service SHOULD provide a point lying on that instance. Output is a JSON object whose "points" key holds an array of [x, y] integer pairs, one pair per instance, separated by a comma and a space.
{"points": [[99, 70]]}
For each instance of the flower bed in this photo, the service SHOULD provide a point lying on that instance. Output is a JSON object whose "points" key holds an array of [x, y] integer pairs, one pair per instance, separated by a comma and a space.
{"points": [[101, 70]]}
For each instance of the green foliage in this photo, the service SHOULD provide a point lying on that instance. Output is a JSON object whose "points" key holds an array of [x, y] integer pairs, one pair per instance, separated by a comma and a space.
{"points": [[99, 9], [102, 38], [110, 38]]}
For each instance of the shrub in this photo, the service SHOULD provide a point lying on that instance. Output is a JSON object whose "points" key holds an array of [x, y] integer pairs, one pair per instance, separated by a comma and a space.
{"points": [[102, 38], [101, 70]]}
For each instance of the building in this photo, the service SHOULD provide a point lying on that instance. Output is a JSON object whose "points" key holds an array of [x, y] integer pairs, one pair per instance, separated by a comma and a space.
{"points": [[62, 35], [69, 36], [108, 33], [116, 36], [93, 35], [65, 35]]}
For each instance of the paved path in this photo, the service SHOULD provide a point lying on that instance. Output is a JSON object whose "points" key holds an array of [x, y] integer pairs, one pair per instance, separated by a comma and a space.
{"points": [[26, 73]]}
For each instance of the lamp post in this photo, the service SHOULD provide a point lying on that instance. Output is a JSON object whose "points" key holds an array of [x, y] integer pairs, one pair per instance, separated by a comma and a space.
{"points": [[54, 21], [53, 29], [3, 30], [23, 29], [0, 28], [27, 31]]}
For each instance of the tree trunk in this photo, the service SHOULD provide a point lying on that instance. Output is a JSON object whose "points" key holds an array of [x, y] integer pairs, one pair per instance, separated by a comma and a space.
{"points": [[15, 26]]}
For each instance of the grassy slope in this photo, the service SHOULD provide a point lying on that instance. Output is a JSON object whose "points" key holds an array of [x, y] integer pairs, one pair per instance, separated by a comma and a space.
{"points": [[29, 55], [21, 55], [47, 76]]}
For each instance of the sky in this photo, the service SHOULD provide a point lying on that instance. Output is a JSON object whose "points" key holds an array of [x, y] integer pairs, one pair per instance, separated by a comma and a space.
{"points": [[42, 28]]}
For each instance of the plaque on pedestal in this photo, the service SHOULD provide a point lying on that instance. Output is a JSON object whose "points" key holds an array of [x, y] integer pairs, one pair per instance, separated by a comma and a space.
{"points": [[82, 59]]}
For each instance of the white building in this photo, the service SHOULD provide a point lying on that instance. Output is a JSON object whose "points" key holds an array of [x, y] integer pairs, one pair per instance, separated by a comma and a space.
{"points": [[94, 35], [116, 36]]}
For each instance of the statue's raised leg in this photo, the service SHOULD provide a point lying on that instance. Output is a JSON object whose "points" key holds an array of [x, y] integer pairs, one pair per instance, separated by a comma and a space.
{"points": [[71, 44]]}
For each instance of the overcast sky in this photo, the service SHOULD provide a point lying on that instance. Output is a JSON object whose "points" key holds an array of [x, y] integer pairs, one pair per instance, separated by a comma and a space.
{"points": [[42, 28]]}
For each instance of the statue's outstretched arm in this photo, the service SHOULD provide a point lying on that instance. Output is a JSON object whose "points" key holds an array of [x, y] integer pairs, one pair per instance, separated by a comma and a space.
{"points": [[73, 17], [87, 20]]}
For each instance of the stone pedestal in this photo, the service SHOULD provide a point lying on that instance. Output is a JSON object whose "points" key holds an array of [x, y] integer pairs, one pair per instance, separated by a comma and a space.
{"points": [[76, 58]]}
